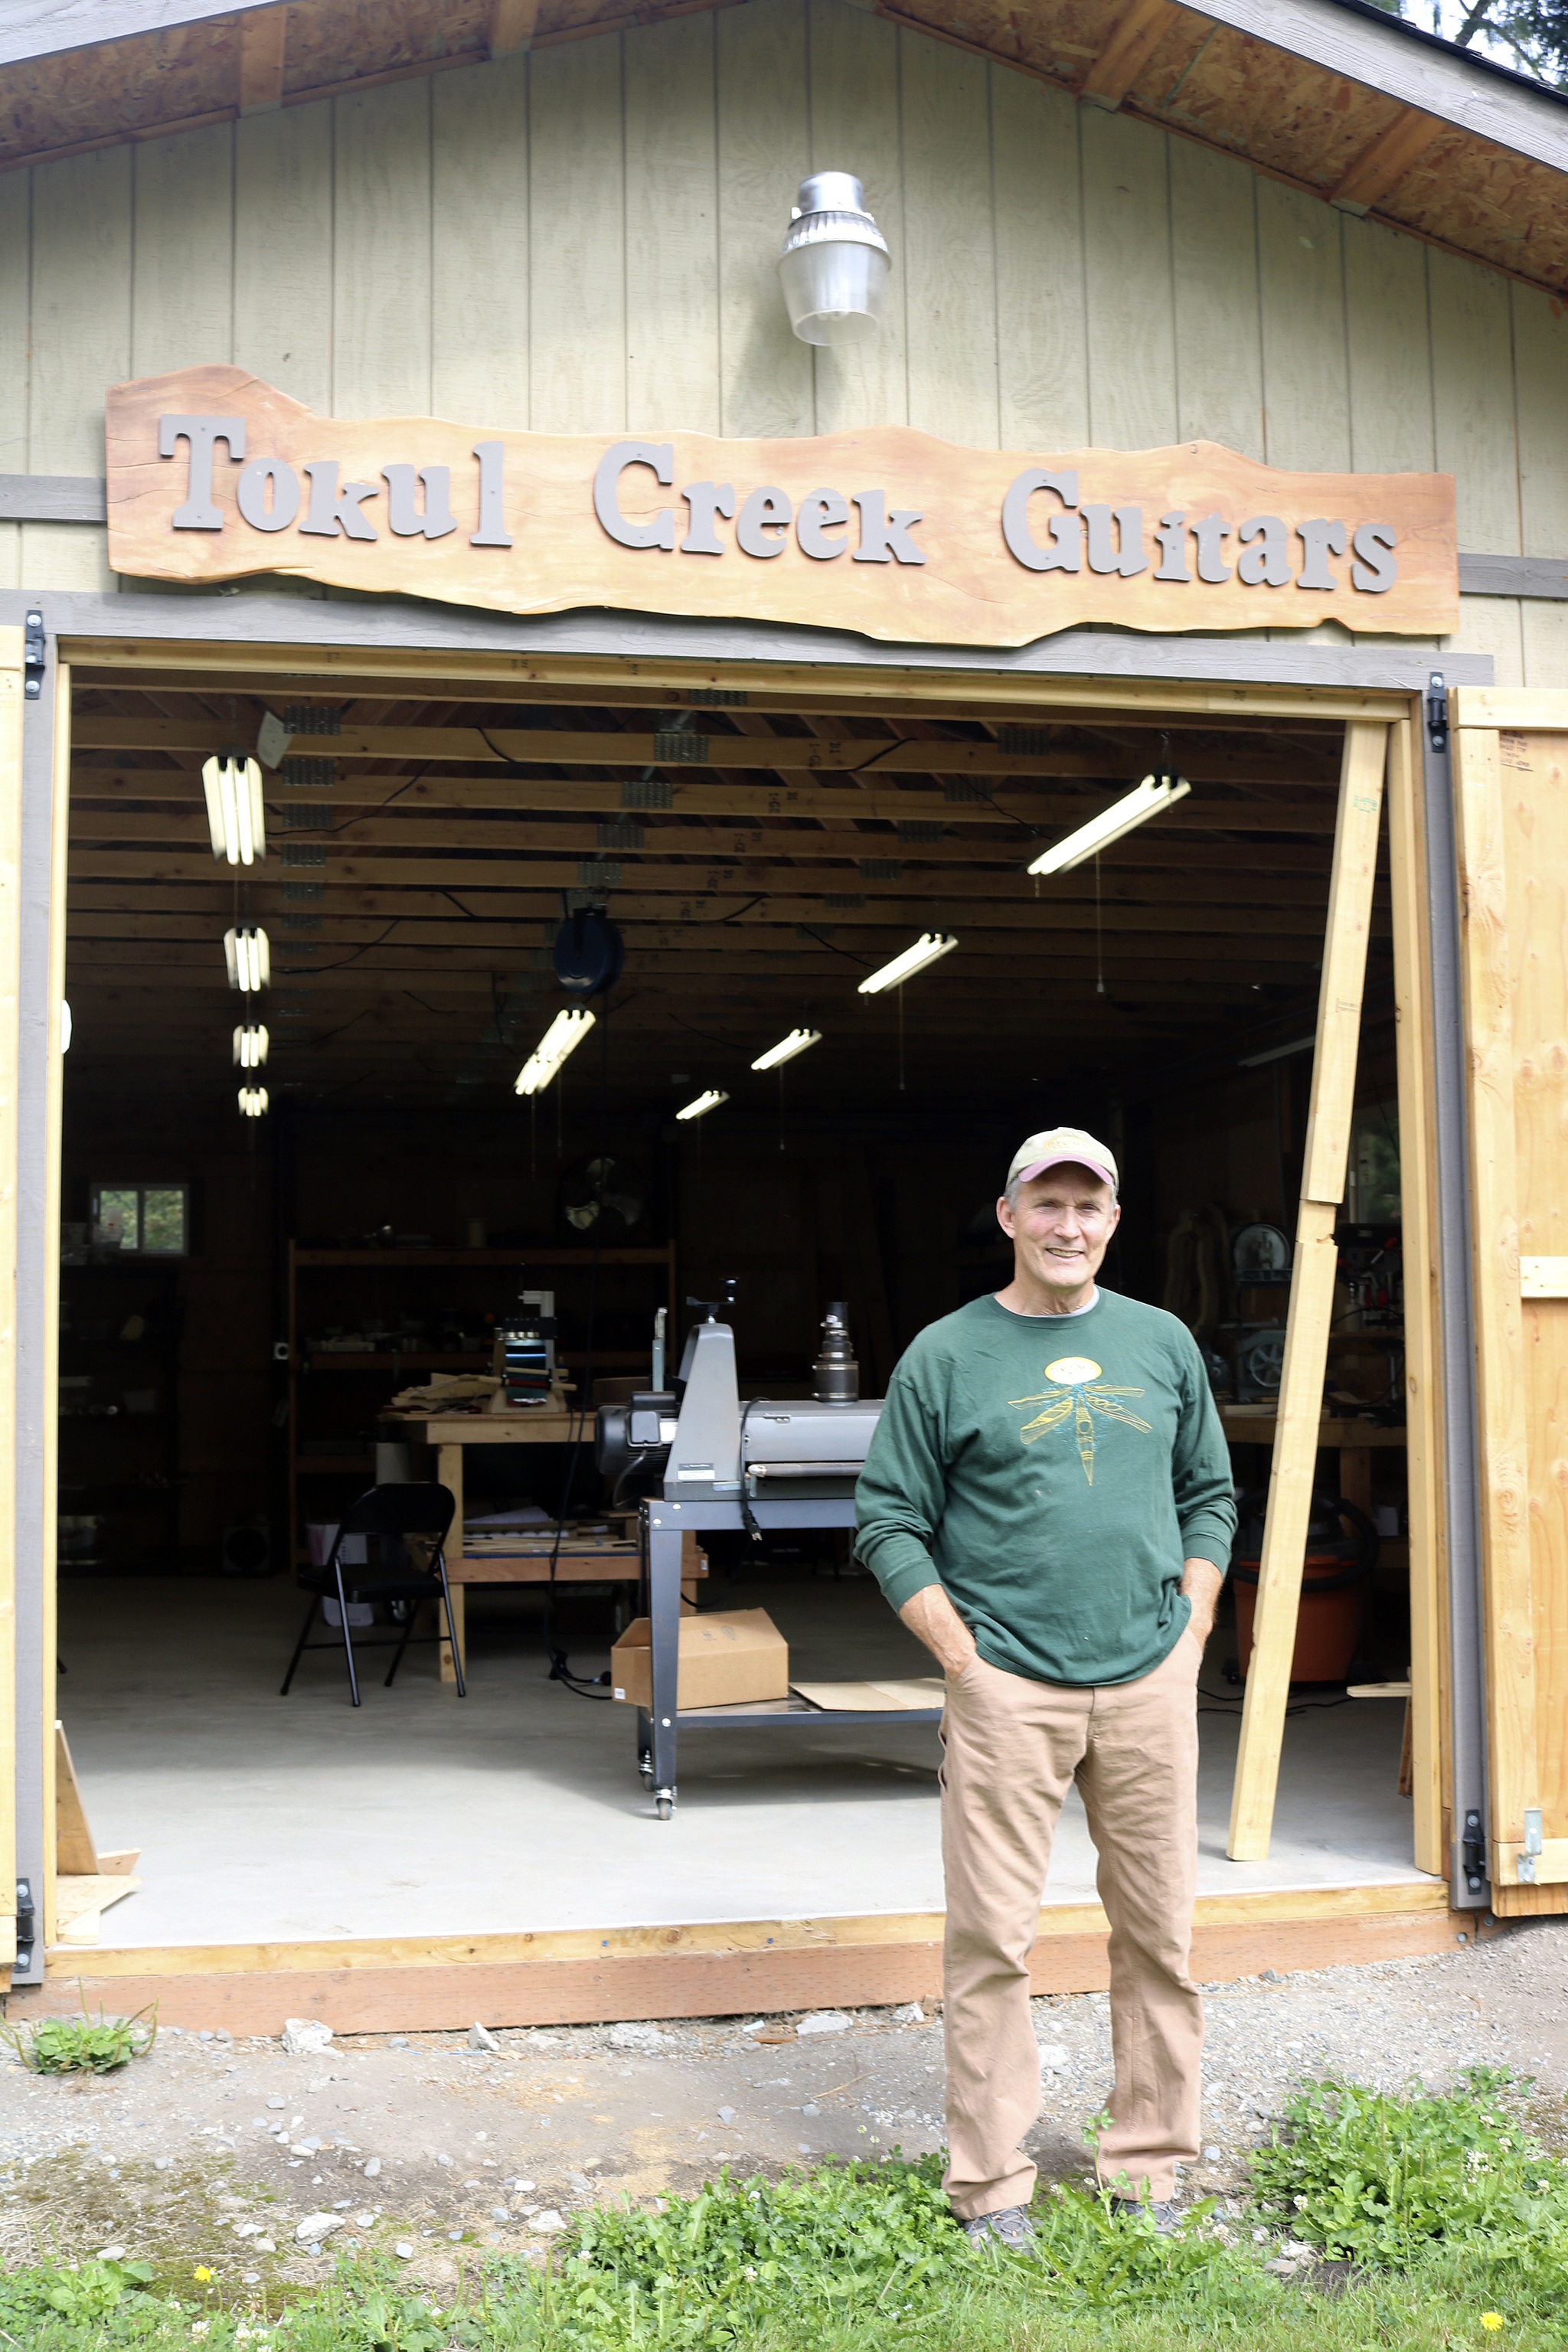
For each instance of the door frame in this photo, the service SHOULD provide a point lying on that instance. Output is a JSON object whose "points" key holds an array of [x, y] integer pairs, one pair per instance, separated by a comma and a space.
{"points": [[399, 639]]}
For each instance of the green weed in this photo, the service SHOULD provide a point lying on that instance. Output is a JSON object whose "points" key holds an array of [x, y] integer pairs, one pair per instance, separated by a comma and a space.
{"points": [[83, 2045], [1375, 2177]]}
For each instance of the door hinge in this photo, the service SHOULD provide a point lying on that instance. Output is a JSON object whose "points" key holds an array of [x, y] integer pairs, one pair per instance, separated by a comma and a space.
{"points": [[35, 656], [1437, 711], [1473, 1854], [26, 1926]]}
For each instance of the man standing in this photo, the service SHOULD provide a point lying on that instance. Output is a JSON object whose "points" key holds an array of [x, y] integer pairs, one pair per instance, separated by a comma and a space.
{"points": [[1048, 1504]]}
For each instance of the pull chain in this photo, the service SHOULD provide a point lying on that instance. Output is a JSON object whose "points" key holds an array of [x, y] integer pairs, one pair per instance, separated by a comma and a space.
{"points": [[1099, 941]]}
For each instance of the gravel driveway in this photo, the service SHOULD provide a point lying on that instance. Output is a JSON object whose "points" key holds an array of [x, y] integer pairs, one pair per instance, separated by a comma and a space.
{"points": [[219, 2152]]}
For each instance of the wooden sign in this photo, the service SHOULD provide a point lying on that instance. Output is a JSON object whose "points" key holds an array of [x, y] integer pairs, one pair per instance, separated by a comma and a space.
{"points": [[213, 476]]}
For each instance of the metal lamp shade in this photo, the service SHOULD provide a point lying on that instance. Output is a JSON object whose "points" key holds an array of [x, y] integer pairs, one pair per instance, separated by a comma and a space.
{"points": [[834, 266]]}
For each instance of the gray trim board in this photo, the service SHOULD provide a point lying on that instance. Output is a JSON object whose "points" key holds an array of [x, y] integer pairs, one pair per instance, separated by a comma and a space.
{"points": [[43, 29], [33, 1402], [53, 498], [390, 622], [1514, 575], [1457, 1324]]}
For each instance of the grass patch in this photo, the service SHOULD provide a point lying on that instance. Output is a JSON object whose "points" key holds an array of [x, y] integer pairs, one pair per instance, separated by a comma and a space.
{"points": [[1448, 2220]]}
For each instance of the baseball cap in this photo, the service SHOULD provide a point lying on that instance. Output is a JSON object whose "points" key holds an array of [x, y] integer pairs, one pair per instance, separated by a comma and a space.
{"points": [[1059, 1147]]}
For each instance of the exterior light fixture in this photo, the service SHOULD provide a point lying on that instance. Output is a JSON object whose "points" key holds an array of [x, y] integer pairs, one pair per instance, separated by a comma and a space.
{"points": [[709, 1100], [1145, 800], [253, 1102], [834, 266], [927, 948], [251, 1047], [249, 961], [787, 1048], [235, 817], [563, 1037]]}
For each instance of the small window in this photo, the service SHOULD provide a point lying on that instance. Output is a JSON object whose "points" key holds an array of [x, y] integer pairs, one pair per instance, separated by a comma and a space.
{"points": [[143, 1219]]}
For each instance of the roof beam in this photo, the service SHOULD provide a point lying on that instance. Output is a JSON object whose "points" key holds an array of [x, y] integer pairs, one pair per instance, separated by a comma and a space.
{"points": [[510, 26], [1383, 161], [1139, 29], [263, 40]]}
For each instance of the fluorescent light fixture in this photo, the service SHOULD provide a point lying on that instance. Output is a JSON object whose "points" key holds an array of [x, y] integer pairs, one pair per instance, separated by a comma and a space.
{"points": [[1277, 1053], [926, 950], [249, 961], [1145, 800], [253, 1102], [251, 1047], [709, 1100], [563, 1037], [64, 1026], [235, 817], [787, 1048]]}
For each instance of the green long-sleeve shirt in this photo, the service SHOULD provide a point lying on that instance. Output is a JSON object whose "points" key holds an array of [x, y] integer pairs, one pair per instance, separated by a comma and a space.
{"points": [[1051, 1473]]}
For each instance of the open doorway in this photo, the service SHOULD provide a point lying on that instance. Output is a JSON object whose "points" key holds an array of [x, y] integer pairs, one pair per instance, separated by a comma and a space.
{"points": [[224, 1374]]}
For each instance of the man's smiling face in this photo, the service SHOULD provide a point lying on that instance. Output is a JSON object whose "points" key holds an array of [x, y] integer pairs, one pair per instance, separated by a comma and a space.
{"points": [[1060, 1226]]}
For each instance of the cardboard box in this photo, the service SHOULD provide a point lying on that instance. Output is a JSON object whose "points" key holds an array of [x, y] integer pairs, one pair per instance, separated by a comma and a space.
{"points": [[728, 1657]]}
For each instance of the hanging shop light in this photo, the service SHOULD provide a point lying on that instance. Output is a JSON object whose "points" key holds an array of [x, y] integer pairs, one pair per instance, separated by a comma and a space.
{"points": [[1155, 792], [563, 1037], [251, 1047], [927, 948], [236, 817], [248, 958], [253, 1102], [834, 263], [709, 1100], [787, 1048]]}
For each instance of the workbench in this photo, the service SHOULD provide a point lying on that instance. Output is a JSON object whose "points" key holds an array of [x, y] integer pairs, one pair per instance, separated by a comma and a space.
{"points": [[526, 1559], [1354, 1441]]}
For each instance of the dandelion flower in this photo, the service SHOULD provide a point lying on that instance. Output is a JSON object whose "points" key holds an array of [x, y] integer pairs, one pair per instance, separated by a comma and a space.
{"points": [[1491, 2321], [200, 2273]]}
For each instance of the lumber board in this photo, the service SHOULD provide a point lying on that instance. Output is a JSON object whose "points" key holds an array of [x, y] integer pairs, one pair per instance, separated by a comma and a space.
{"points": [[1088, 673], [1422, 1398], [1488, 913], [1344, 965], [860, 755], [76, 1854], [1180, 861], [1311, 1310], [718, 1971]]}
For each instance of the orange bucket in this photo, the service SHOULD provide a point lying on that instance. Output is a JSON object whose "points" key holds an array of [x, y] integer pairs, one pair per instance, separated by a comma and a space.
{"points": [[1334, 1603]]}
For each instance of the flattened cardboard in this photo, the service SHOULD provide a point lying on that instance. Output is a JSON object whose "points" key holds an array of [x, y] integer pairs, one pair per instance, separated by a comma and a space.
{"points": [[886, 1697], [728, 1657]]}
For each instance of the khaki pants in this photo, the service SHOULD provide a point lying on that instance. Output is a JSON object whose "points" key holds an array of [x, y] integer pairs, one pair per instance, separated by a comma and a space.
{"points": [[1011, 1748]]}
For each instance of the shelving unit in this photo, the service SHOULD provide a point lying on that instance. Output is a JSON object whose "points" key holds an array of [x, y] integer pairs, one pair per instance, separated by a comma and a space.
{"points": [[428, 1287], [121, 1465]]}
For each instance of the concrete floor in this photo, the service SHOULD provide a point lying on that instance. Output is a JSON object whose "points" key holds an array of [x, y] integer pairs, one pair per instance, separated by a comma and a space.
{"points": [[520, 1808]]}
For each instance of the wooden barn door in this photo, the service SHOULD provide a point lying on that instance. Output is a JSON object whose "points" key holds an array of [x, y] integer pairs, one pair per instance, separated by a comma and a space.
{"points": [[1510, 781]]}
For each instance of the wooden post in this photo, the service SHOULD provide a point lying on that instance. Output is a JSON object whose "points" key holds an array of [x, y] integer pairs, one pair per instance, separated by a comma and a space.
{"points": [[11, 709], [1426, 1717], [1311, 1291], [1501, 1387]]}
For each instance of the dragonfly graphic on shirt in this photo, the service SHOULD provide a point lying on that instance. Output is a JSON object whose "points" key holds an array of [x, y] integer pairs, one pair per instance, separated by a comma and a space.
{"points": [[1078, 1393]]}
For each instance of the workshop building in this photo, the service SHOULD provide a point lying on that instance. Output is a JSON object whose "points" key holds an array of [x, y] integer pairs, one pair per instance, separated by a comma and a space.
{"points": [[629, 646]]}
